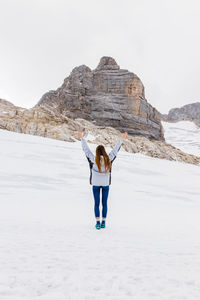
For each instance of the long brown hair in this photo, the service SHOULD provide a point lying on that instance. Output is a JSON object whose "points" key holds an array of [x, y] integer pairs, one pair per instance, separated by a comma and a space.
{"points": [[100, 150]]}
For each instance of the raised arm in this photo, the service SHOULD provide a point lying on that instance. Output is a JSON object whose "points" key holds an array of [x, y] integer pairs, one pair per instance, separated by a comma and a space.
{"points": [[89, 153], [112, 155], [87, 150]]}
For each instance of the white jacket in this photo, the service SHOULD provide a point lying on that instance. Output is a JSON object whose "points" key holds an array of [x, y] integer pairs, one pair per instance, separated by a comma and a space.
{"points": [[97, 178]]}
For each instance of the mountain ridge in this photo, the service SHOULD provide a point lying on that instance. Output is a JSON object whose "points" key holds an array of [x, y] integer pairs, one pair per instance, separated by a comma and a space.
{"points": [[45, 122], [188, 112]]}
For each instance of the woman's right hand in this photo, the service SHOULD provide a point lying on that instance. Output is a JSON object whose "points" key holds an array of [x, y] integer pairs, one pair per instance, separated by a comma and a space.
{"points": [[79, 134], [124, 135]]}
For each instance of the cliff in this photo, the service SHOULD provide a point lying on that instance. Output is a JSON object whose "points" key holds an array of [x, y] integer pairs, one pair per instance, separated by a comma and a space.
{"points": [[106, 96]]}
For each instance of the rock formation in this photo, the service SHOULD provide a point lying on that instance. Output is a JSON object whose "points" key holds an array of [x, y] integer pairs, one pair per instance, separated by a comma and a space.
{"points": [[47, 123], [189, 112], [106, 96]]}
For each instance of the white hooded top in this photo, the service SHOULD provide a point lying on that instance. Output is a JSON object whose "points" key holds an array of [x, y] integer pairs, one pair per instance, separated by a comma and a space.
{"points": [[97, 178]]}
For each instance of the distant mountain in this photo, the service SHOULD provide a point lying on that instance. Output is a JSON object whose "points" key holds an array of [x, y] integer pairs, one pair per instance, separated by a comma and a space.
{"points": [[189, 112], [107, 96]]}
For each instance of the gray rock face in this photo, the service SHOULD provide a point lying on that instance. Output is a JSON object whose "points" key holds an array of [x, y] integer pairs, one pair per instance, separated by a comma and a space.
{"points": [[190, 112], [106, 96], [6, 103]]}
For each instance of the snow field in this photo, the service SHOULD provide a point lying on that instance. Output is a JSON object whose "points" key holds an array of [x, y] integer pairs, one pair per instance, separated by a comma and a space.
{"points": [[50, 249]]}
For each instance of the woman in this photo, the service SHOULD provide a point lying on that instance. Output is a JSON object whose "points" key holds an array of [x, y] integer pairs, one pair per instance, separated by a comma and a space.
{"points": [[100, 174]]}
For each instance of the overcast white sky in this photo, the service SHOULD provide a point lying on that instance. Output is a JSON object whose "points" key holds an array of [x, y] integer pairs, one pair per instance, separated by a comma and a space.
{"points": [[43, 40]]}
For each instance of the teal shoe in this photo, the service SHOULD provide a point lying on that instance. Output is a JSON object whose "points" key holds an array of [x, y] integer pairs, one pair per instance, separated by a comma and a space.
{"points": [[103, 224], [98, 225]]}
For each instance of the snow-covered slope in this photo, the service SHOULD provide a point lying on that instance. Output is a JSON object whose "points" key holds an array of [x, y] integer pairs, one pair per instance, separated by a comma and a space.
{"points": [[50, 249], [184, 135]]}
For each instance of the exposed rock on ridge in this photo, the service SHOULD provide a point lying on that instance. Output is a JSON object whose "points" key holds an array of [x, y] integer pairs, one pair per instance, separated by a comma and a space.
{"points": [[188, 112], [106, 96], [43, 122]]}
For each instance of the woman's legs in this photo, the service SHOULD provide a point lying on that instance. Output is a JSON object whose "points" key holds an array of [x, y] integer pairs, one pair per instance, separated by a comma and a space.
{"points": [[96, 193], [105, 191]]}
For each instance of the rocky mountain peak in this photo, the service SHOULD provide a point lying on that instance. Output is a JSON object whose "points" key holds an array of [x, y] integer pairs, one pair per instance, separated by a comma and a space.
{"points": [[81, 69], [107, 96], [107, 63]]}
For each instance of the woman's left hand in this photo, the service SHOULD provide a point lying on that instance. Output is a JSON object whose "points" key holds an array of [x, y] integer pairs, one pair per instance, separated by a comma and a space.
{"points": [[124, 135], [80, 135]]}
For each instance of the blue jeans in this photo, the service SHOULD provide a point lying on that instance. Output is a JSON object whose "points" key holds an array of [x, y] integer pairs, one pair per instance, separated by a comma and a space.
{"points": [[96, 193]]}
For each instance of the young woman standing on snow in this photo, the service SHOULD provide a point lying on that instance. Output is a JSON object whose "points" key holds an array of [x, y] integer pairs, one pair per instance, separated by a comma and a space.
{"points": [[100, 174]]}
